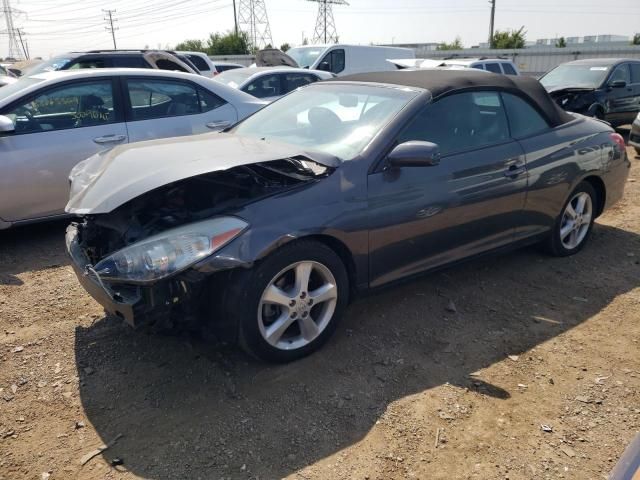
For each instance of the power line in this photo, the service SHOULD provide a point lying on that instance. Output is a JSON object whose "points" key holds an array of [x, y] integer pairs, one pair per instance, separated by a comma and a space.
{"points": [[325, 31], [110, 28]]}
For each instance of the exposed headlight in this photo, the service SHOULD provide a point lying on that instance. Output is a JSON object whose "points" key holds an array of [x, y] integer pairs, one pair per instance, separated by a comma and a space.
{"points": [[170, 252]]}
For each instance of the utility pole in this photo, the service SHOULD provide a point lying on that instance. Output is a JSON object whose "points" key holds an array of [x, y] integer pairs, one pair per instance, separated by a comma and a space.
{"points": [[253, 19], [491, 22], [235, 17], [110, 28], [24, 49], [325, 30], [11, 30]]}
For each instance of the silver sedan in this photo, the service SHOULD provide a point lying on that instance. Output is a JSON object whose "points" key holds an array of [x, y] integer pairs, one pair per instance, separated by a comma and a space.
{"points": [[51, 121]]}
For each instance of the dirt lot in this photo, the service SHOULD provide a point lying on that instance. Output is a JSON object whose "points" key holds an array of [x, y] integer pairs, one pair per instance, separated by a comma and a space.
{"points": [[405, 389]]}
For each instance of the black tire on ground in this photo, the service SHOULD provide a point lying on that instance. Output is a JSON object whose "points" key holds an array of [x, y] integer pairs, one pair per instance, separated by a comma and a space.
{"points": [[247, 286], [554, 243]]}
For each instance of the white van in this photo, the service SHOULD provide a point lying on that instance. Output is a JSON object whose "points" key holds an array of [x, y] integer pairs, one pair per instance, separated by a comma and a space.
{"points": [[347, 59]]}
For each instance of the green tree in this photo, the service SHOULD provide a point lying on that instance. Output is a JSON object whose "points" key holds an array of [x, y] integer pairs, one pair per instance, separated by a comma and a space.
{"points": [[455, 45], [285, 46], [636, 39], [509, 38], [561, 42], [228, 44], [192, 46]]}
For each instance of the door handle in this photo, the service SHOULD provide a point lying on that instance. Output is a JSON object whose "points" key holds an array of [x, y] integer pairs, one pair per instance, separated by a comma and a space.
{"points": [[515, 167], [109, 139], [218, 125]]}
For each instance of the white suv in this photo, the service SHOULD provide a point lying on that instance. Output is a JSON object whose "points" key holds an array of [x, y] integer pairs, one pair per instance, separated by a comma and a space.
{"points": [[495, 65]]}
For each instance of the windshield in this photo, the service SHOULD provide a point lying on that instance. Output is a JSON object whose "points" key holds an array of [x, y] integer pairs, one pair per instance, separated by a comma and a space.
{"points": [[23, 82], [234, 78], [305, 56], [56, 63], [338, 120], [588, 76]]}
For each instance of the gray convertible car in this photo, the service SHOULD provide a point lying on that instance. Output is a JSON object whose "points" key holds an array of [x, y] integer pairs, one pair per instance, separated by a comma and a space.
{"points": [[263, 233]]}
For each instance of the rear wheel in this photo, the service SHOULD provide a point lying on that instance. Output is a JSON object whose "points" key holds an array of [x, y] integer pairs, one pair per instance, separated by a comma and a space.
{"points": [[573, 225], [289, 304]]}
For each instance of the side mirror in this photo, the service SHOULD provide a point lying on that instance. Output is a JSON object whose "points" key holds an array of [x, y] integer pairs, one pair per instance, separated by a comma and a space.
{"points": [[414, 154], [324, 66], [6, 125], [618, 84]]}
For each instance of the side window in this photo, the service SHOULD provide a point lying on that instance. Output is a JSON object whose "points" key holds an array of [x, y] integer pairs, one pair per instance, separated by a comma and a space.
{"points": [[493, 67], [129, 62], [164, 64], [296, 80], [209, 101], [635, 72], [71, 106], [199, 62], [333, 61], [508, 69], [524, 120], [92, 63], [620, 73], [459, 122], [162, 98], [478, 66], [264, 86]]}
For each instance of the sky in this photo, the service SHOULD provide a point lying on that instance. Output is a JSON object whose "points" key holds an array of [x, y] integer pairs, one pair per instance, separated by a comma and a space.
{"points": [[55, 26]]}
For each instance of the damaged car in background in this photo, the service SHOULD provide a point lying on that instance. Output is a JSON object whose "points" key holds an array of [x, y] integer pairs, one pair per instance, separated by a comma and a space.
{"points": [[264, 232]]}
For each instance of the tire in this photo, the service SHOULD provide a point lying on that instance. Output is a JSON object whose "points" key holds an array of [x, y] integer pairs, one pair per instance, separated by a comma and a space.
{"points": [[250, 305], [560, 243], [637, 151], [599, 114]]}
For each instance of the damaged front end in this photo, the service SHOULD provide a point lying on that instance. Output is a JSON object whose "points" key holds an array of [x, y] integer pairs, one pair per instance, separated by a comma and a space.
{"points": [[139, 260]]}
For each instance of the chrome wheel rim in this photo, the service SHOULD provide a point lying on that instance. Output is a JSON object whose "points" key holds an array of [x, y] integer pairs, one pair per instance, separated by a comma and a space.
{"points": [[576, 220], [297, 305]]}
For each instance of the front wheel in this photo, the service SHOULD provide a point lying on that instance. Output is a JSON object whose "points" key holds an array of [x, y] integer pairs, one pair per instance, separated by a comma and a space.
{"points": [[289, 304], [573, 225]]}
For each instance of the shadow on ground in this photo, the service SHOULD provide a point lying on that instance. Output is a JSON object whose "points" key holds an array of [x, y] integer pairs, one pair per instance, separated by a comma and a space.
{"points": [[31, 248], [191, 410]]}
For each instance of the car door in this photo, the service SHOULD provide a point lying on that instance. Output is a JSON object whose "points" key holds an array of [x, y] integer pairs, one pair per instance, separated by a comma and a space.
{"points": [[621, 97], [423, 217], [55, 128], [167, 107], [635, 85], [266, 87]]}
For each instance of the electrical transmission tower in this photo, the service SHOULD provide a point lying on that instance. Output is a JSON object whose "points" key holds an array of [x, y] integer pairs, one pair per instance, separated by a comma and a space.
{"points": [[325, 31], [11, 31], [253, 19], [108, 17]]}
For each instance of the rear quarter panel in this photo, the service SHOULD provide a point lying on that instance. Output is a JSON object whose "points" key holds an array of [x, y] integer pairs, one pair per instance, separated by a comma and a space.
{"points": [[557, 161]]}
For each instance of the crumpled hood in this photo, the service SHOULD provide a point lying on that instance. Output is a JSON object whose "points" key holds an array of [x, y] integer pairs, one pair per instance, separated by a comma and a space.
{"points": [[109, 179]]}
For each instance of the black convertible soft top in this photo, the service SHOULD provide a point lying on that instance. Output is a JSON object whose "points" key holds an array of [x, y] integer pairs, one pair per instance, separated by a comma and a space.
{"points": [[443, 82]]}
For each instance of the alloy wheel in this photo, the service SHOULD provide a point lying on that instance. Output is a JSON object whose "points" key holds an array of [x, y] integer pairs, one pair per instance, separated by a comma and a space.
{"points": [[576, 220], [297, 305]]}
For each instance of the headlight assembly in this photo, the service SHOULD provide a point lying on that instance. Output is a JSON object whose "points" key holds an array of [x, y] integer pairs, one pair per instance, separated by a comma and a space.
{"points": [[170, 252]]}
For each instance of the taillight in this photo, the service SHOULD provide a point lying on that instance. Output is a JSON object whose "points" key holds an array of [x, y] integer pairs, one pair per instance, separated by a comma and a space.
{"points": [[617, 138]]}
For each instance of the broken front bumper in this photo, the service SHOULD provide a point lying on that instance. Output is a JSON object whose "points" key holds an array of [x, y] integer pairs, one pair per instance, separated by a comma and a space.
{"points": [[138, 305]]}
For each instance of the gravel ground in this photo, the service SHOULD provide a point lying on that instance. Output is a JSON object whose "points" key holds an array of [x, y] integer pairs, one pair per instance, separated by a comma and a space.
{"points": [[535, 375]]}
